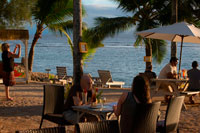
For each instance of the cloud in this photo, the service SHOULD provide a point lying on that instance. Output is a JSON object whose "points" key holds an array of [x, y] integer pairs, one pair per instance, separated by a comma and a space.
{"points": [[99, 3], [94, 11]]}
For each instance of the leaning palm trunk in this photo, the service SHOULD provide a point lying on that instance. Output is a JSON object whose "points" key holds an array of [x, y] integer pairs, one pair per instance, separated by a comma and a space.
{"points": [[31, 52], [77, 34]]}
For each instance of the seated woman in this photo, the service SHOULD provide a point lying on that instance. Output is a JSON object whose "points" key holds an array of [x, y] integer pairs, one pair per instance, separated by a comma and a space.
{"points": [[140, 93], [75, 99]]}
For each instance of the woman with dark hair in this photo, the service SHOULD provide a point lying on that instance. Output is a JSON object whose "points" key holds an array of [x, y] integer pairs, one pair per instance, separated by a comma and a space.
{"points": [[140, 93], [8, 66]]}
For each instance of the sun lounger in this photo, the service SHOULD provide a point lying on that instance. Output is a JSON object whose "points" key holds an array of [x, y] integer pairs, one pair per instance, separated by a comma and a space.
{"points": [[106, 79], [62, 75]]}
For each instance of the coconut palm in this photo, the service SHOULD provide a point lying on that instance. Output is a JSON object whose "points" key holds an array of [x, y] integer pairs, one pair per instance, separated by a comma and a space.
{"points": [[66, 28], [145, 15], [46, 13], [110, 26]]}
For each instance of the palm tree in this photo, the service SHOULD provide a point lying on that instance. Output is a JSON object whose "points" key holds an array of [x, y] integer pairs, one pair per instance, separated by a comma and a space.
{"points": [[110, 26], [174, 19], [46, 13], [146, 15]]}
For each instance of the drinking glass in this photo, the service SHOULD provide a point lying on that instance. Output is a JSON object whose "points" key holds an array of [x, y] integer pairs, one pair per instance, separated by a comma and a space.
{"points": [[103, 100]]}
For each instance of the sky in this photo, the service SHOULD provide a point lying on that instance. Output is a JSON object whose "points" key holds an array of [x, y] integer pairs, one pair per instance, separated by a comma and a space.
{"points": [[94, 9], [108, 3]]}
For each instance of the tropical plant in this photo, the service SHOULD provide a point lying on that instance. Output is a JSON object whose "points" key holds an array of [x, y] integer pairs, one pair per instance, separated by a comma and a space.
{"points": [[15, 13], [105, 27], [66, 28], [145, 15], [47, 13]]}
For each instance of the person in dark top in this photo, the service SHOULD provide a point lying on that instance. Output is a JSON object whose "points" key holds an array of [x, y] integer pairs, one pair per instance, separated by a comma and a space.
{"points": [[194, 80], [8, 66], [150, 72], [150, 75], [140, 93]]}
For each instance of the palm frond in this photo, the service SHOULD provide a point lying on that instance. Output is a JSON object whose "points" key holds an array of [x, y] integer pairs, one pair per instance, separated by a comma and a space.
{"points": [[138, 41], [108, 27], [51, 11], [159, 50]]}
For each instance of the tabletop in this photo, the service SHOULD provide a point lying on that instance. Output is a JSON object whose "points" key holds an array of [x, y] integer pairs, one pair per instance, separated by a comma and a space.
{"points": [[103, 113]]}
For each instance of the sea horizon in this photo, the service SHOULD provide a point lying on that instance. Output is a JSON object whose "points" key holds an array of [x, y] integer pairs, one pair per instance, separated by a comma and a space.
{"points": [[118, 55]]}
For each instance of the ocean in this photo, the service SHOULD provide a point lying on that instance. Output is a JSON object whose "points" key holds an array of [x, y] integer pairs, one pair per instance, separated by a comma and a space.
{"points": [[118, 55]]}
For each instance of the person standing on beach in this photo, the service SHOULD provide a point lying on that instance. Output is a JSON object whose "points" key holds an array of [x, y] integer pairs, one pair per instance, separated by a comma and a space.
{"points": [[140, 93], [8, 66]]}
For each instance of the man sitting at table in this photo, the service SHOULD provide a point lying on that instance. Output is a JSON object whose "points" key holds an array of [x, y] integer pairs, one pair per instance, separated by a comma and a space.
{"points": [[194, 79], [169, 72], [75, 99]]}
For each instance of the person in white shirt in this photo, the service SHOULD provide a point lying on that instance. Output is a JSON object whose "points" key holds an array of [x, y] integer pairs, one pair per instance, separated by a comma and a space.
{"points": [[169, 72]]}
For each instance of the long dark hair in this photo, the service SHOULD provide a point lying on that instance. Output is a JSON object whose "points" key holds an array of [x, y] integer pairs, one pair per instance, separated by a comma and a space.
{"points": [[141, 89]]}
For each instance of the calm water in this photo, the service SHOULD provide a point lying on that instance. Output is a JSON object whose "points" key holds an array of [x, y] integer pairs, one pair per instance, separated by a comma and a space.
{"points": [[119, 56]]}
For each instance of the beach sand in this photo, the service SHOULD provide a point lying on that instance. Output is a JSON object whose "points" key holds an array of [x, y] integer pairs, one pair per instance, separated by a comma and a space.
{"points": [[26, 109]]}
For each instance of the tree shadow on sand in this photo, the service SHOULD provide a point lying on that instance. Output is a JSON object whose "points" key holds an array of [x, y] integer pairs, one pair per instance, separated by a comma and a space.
{"points": [[21, 111]]}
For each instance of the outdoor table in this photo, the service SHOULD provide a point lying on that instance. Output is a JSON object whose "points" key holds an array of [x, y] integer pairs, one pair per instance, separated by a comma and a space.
{"points": [[175, 83], [104, 113]]}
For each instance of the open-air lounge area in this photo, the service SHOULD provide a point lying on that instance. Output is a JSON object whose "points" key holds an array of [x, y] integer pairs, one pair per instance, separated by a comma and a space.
{"points": [[24, 113], [99, 66]]}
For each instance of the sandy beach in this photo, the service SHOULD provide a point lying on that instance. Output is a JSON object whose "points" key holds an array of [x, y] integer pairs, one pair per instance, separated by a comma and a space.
{"points": [[25, 111]]}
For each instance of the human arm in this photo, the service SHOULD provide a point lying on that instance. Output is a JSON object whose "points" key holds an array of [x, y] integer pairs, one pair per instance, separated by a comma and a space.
{"points": [[15, 49], [172, 72], [117, 109], [171, 75], [77, 100], [13, 54]]}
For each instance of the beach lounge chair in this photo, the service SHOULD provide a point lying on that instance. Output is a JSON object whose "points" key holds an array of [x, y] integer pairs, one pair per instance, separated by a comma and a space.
{"points": [[106, 79], [145, 118], [170, 124], [62, 75], [108, 126], [53, 104], [44, 130]]}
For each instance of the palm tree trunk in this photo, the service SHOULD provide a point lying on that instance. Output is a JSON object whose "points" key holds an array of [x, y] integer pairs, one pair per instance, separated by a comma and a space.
{"points": [[77, 34], [174, 19], [31, 52], [148, 52]]}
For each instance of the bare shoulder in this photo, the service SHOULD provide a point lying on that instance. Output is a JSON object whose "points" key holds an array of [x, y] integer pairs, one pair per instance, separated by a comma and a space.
{"points": [[123, 97]]}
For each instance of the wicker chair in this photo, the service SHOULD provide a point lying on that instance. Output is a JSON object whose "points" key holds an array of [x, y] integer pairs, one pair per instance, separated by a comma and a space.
{"points": [[44, 130], [53, 103], [109, 126], [145, 118], [172, 116]]}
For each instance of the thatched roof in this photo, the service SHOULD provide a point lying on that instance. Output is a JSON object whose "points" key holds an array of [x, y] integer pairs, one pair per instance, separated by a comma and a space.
{"points": [[14, 34]]}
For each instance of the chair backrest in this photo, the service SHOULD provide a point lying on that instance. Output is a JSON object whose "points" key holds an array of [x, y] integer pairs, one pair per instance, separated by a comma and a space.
{"points": [[105, 76], [145, 118], [61, 72], [44, 130], [173, 113], [108, 126], [53, 99]]}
